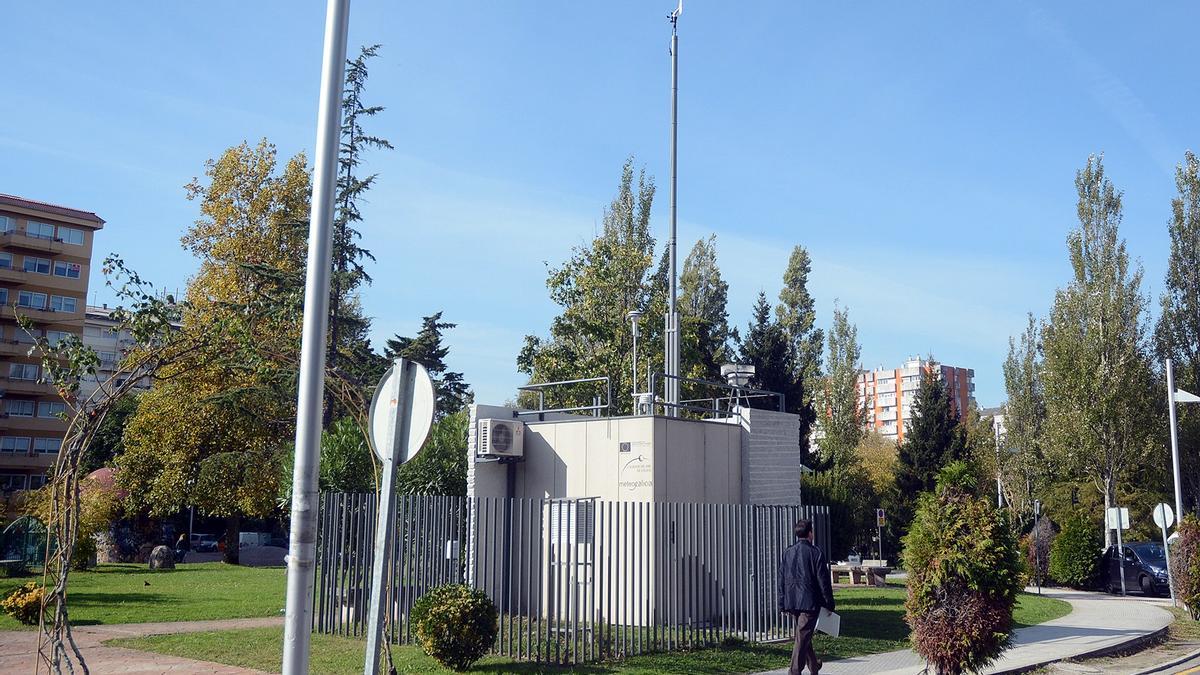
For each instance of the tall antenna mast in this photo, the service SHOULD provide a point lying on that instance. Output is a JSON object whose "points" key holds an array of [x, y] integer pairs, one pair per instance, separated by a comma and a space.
{"points": [[671, 343]]}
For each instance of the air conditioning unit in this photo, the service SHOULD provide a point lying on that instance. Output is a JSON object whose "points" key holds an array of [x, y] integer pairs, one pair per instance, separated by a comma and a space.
{"points": [[501, 438]]}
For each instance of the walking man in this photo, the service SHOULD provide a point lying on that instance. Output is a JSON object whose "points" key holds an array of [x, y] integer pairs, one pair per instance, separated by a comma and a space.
{"points": [[804, 588]]}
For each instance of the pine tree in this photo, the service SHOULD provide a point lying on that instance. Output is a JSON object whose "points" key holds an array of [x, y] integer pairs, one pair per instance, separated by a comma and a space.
{"points": [[932, 439], [453, 393], [348, 328], [766, 347]]}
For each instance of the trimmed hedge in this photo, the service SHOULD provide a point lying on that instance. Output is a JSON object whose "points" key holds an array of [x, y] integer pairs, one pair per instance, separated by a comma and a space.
{"points": [[1185, 564], [456, 625], [1075, 553], [965, 571]]}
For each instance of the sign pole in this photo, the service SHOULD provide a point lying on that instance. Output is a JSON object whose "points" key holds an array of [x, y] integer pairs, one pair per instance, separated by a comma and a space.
{"points": [[302, 545], [1174, 439], [1037, 544], [1164, 518], [400, 397], [1120, 547]]}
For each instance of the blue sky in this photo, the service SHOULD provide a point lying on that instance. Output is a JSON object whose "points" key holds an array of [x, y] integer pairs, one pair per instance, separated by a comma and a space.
{"points": [[923, 152]]}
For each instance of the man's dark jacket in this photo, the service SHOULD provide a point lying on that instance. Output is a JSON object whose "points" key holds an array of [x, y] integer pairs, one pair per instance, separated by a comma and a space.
{"points": [[804, 583]]}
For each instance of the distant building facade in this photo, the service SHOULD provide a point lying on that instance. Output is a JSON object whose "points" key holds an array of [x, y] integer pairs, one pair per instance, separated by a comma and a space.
{"points": [[889, 394], [45, 258], [100, 332]]}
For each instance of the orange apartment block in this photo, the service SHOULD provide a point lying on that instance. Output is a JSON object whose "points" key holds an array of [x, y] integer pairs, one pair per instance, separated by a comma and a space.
{"points": [[889, 394], [45, 258]]}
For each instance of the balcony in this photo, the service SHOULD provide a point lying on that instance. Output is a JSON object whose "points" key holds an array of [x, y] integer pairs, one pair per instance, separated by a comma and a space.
{"points": [[30, 460], [14, 348], [17, 425], [44, 316], [10, 385], [21, 240], [12, 276]]}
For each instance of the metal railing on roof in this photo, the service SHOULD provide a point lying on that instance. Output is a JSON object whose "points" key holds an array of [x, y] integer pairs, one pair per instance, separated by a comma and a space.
{"points": [[598, 403], [733, 396]]}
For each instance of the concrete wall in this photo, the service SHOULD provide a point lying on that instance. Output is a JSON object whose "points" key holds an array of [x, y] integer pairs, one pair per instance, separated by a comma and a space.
{"points": [[770, 457]]}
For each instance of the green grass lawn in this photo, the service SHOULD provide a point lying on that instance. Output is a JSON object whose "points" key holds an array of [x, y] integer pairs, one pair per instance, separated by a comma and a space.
{"points": [[133, 594], [872, 621]]}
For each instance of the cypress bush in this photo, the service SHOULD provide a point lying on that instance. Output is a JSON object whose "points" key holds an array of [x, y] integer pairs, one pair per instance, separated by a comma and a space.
{"points": [[1185, 564], [965, 571], [455, 624], [1075, 553]]}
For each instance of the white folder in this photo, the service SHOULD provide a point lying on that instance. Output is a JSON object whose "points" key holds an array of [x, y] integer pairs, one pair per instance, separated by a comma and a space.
{"points": [[829, 622]]}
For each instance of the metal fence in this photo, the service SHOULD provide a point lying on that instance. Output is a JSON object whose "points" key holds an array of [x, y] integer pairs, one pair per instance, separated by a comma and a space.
{"points": [[575, 581]]}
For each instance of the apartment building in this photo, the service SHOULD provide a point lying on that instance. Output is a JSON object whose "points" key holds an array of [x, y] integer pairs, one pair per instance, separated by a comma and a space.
{"points": [[101, 333], [45, 258], [889, 394]]}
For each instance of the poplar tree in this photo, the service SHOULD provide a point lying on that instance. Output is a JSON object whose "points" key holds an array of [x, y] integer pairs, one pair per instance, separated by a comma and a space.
{"points": [[842, 411], [1098, 381], [797, 313], [1022, 459], [1177, 335], [596, 289], [703, 296]]}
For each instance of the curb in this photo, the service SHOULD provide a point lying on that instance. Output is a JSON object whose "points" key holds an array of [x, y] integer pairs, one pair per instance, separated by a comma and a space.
{"points": [[1134, 642], [1169, 664]]}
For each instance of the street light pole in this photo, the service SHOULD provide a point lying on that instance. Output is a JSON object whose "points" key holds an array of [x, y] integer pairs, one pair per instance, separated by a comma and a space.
{"points": [[634, 315], [999, 491], [1174, 439]]}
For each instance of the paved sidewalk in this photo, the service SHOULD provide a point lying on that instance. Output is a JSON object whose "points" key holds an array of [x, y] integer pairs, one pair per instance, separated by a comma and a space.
{"points": [[18, 649], [1096, 623]]}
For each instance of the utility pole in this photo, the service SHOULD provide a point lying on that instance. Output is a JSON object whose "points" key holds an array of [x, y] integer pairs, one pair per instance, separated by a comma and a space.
{"points": [[671, 363], [999, 490], [302, 545], [1174, 439]]}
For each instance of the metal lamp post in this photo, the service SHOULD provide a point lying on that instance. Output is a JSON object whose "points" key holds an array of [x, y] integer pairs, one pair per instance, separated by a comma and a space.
{"points": [[634, 315], [1175, 396]]}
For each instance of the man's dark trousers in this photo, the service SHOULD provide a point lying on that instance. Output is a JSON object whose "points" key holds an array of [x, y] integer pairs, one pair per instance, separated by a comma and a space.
{"points": [[804, 589], [802, 651]]}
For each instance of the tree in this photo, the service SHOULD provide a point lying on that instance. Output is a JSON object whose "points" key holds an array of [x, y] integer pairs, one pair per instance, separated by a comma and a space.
{"points": [[441, 466], [964, 569], [1177, 335], [347, 326], [214, 430], [796, 312], [878, 457], [842, 411], [766, 347], [1023, 464], [932, 440], [109, 441], [705, 320], [596, 289], [1098, 381], [1075, 553], [453, 393]]}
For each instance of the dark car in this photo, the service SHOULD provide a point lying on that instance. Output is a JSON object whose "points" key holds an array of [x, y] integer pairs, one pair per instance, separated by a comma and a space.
{"points": [[1144, 565]]}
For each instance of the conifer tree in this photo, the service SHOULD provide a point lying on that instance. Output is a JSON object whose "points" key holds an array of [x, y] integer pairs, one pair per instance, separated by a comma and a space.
{"points": [[453, 393], [702, 303], [797, 313], [766, 347]]}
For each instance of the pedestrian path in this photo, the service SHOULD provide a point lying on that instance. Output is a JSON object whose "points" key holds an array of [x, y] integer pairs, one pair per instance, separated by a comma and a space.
{"points": [[1097, 623], [18, 649]]}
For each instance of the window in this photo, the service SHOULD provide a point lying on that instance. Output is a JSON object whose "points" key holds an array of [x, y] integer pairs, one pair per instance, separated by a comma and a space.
{"points": [[107, 358], [70, 235], [12, 481], [6, 224], [39, 265], [22, 371], [4, 298], [31, 300], [62, 303], [47, 446], [56, 336], [6, 261], [39, 230], [93, 331], [51, 408], [26, 338], [37, 481], [18, 408], [66, 269], [18, 444]]}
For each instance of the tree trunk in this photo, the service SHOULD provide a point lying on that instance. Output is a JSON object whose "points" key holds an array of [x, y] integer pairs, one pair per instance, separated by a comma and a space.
{"points": [[1108, 533], [233, 532]]}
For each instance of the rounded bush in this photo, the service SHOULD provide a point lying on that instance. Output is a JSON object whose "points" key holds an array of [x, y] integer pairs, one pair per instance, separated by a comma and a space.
{"points": [[1075, 553], [456, 625], [24, 604], [1185, 564], [965, 571]]}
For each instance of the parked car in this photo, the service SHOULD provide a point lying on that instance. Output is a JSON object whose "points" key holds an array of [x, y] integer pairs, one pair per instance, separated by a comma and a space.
{"points": [[204, 543], [1144, 565]]}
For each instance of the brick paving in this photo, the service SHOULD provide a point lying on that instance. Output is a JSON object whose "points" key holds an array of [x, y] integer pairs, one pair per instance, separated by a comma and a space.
{"points": [[18, 649]]}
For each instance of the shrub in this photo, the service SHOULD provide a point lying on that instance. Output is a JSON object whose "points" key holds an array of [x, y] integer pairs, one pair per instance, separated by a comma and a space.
{"points": [[13, 569], [1185, 564], [1075, 554], [456, 625], [964, 575], [83, 557], [24, 604], [1036, 546]]}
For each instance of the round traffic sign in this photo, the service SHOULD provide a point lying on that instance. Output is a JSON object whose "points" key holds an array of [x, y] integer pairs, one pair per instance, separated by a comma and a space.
{"points": [[1164, 517], [385, 412]]}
